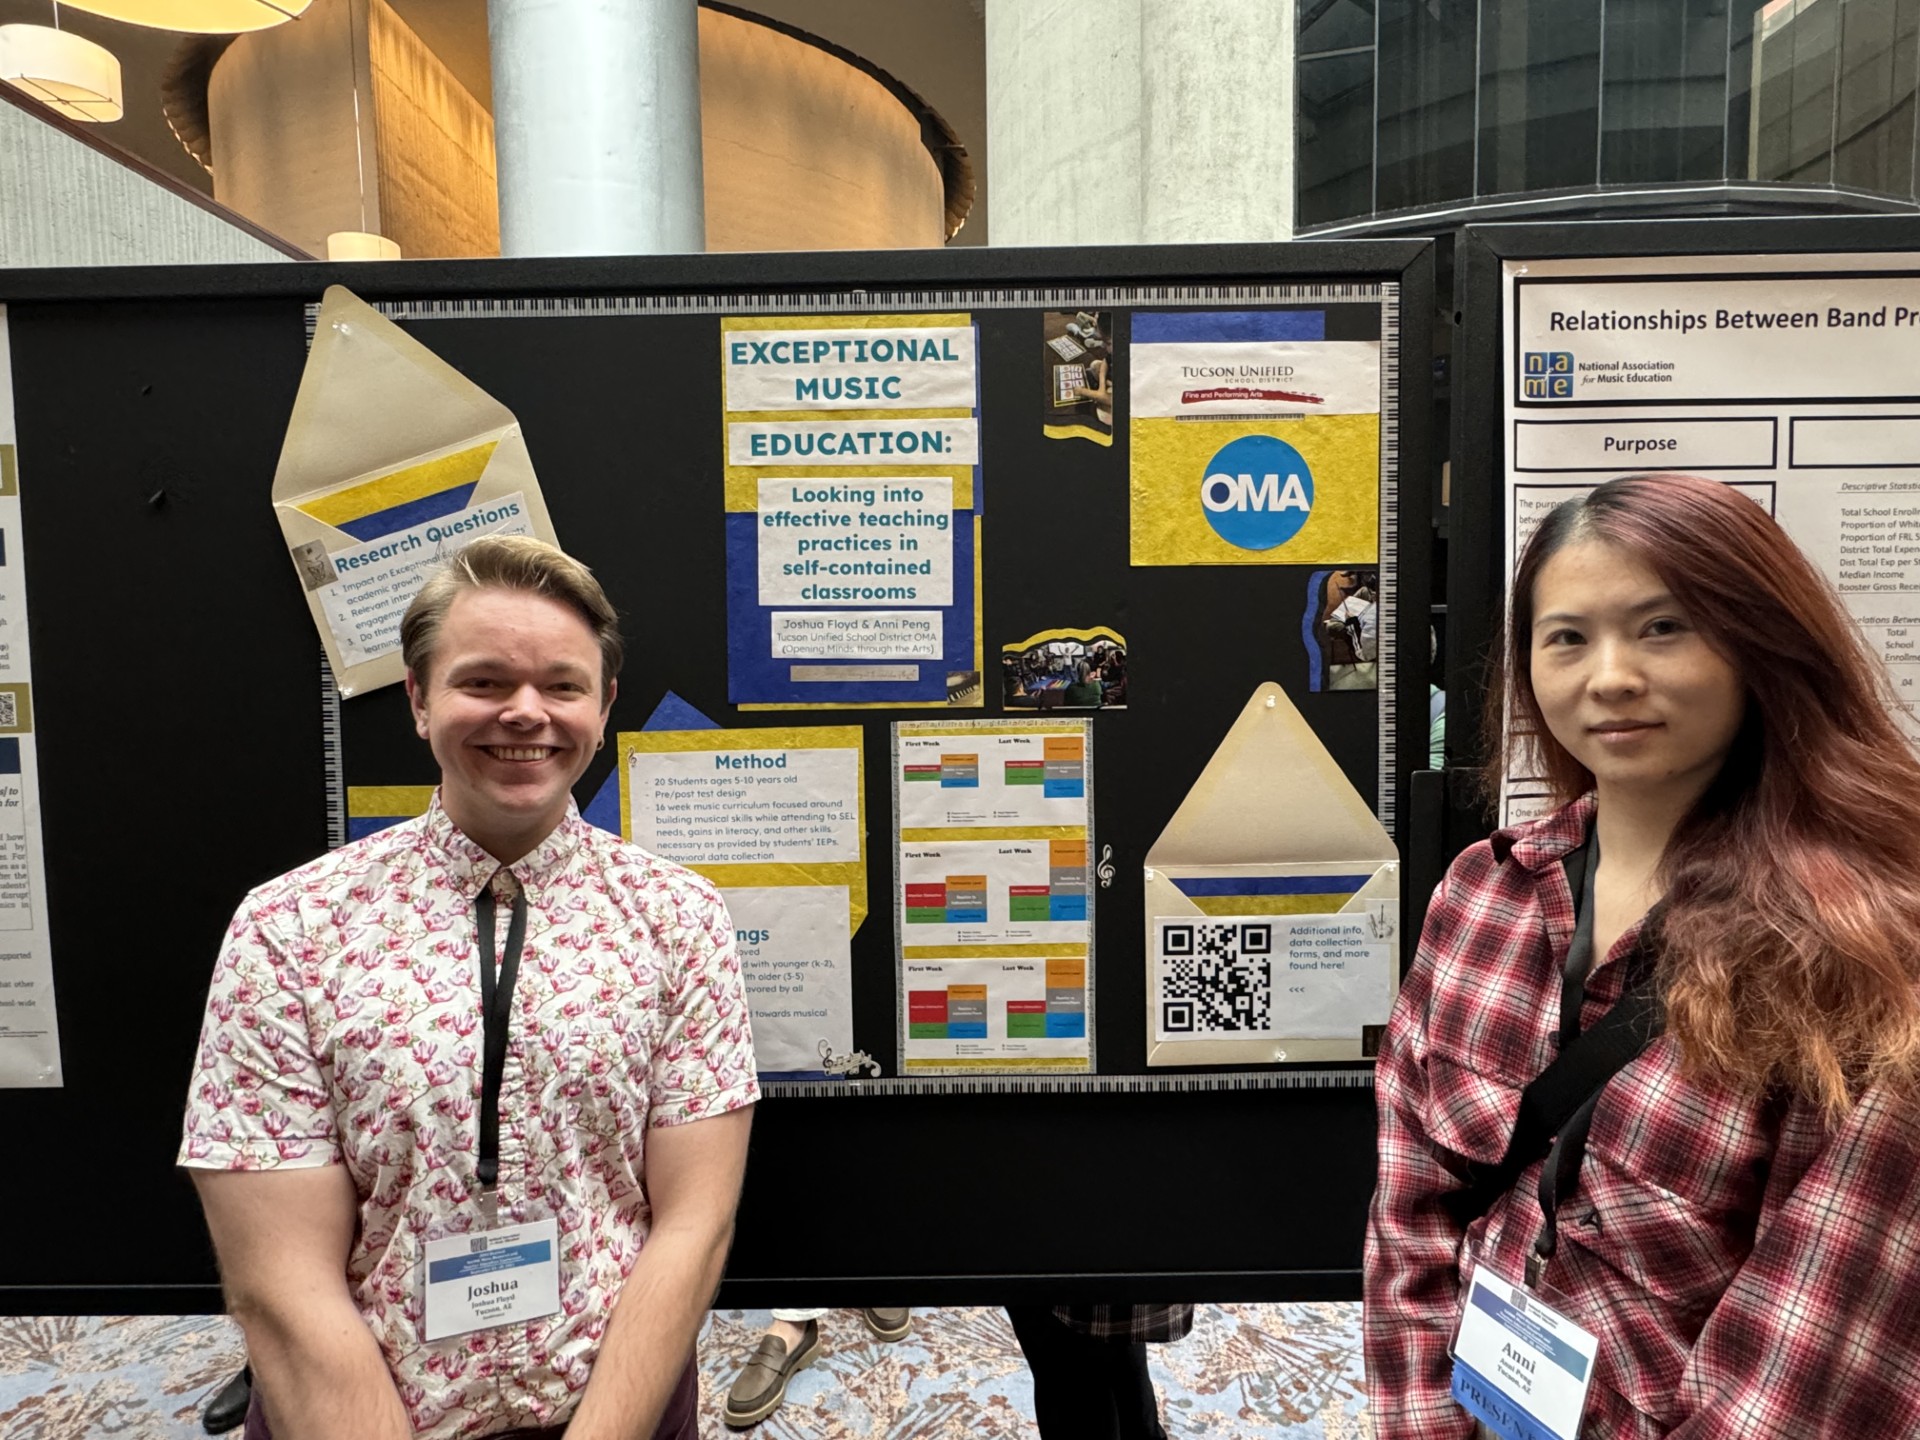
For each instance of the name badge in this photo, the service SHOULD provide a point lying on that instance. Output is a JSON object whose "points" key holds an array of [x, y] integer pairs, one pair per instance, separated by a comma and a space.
{"points": [[492, 1277], [1520, 1367]]}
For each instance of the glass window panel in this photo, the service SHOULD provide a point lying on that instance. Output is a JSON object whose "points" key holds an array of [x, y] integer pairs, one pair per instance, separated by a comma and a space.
{"points": [[1426, 102], [1334, 144], [1795, 50], [1743, 23], [1539, 95], [1334, 25], [1664, 90], [1873, 117]]}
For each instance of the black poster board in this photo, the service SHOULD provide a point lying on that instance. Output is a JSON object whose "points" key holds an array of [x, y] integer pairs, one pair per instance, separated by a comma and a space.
{"points": [[151, 406]]}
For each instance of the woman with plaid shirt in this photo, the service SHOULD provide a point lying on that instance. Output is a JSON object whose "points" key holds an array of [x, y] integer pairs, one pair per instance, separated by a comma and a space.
{"points": [[1742, 1236]]}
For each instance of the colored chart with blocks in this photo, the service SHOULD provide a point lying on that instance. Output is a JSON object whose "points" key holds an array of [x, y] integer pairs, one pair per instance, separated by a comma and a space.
{"points": [[1061, 772], [1021, 1010], [994, 910], [1006, 779], [993, 893]]}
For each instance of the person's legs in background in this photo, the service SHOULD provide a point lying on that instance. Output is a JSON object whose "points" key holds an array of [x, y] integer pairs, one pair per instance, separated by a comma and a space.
{"points": [[1071, 1395], [227, 1410], [1085, 1388], [790, 1345], [1136, 1405]]}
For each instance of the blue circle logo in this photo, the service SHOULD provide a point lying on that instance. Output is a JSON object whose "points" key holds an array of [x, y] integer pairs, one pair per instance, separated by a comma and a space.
{"points": [[1257, 492]]}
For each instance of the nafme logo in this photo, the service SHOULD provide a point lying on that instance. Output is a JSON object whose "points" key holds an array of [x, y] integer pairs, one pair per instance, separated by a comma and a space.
{"points": [[1549, 375], [1258, 492]]}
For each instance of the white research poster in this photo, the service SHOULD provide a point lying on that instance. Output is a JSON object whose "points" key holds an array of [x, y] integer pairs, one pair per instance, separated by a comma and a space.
{"points": [[1794, 378], [29, 1030]]}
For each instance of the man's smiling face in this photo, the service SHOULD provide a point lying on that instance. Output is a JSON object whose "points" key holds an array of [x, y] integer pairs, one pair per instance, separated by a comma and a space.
{"points": [[512, 705]]}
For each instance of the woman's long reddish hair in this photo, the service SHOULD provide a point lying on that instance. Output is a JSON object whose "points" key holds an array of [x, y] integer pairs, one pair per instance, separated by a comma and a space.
{"points": [[1791, 940]]}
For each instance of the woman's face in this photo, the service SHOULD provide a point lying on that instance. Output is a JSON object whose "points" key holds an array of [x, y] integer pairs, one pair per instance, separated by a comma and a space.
{"points": [[1624, 681]]}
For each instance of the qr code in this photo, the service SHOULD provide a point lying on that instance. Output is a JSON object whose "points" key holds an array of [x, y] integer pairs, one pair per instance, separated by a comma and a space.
{"points": [[9, 710], [1216, 978]]}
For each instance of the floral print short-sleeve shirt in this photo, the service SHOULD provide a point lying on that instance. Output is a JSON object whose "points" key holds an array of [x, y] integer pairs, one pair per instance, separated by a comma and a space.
{"points": [[344, 1027]]}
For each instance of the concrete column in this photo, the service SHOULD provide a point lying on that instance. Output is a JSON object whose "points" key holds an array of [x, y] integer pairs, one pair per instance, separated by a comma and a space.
{"points": [[596, 123], [1140, 121]]}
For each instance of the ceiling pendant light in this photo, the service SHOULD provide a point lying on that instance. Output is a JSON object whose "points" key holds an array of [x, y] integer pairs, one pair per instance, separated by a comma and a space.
{"points": [[197, 17], [75, 77]]}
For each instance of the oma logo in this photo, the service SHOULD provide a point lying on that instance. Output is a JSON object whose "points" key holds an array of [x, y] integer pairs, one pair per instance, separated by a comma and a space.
{"points": [[1257, 493]]}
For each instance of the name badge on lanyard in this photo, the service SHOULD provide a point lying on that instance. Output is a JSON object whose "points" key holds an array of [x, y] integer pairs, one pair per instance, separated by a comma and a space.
{"points": [[492, 1277], [1520, 1367], [496, 1275]]}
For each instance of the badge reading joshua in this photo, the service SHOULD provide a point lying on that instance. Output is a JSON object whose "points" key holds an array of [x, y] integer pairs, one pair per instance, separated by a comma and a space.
{"points": [[492, 1277]]}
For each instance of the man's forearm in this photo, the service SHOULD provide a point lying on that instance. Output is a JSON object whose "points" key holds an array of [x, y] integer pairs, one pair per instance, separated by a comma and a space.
{"points": [[651, 1335], [320, 1372]]}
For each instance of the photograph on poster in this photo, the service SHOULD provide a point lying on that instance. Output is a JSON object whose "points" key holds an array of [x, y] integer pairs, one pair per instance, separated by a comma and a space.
{"points": [[1069, 669], [1340, 628], [1080, 364]]}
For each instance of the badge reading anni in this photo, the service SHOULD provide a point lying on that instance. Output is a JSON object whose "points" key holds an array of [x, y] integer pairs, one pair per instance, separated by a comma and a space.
{"points": [[1520, 1367]]}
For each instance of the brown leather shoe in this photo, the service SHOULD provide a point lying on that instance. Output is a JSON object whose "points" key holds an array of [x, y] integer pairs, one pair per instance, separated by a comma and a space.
{"points": [[762, 1383], [889, 1324]]}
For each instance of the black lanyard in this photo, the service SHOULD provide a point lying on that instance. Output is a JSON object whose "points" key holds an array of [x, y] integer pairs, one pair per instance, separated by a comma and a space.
{"points": [[496, 1013], [1569, 1148], [1580, 865], [1557, 1104]]}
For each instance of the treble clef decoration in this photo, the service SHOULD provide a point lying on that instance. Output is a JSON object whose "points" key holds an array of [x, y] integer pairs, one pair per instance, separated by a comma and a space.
{"points": [[1105, 868], [853, 1065]]}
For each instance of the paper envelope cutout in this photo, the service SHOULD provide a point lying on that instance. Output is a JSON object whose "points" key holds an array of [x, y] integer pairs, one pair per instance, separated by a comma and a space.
{"points": [[393, 461], [1273, 828]]}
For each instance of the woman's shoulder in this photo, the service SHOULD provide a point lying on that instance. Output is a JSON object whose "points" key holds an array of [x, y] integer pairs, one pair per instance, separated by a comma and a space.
{"points": [[1525, 846]]}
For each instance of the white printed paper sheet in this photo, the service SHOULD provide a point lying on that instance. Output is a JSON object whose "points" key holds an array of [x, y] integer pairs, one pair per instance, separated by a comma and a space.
{"points": [[1269, 977], [1791, 378], [796, 957], [1030, 1011], [994, 895], [775, 817], [29, 1029]]}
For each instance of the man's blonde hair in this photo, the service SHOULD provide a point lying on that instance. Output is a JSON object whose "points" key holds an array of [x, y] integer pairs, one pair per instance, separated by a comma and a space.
{"points": [[511, 562]]}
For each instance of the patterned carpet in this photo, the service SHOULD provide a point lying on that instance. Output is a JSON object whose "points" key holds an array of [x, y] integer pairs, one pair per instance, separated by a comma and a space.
{"points": [[1251, 1372]]}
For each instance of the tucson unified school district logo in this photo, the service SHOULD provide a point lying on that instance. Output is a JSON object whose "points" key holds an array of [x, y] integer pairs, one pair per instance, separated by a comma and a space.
{"points": [[1257, 493], [1547, 375]]}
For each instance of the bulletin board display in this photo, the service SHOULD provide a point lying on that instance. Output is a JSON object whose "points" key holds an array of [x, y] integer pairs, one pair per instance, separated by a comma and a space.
{"points": [[1074, 602]]}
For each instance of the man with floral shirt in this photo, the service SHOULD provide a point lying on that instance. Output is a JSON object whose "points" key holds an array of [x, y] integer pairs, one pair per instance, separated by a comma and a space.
{"points": [[470, 1110]]}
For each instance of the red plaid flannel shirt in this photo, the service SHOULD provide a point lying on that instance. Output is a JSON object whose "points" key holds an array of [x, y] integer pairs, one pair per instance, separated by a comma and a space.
{"points": [[1748, 1271]]}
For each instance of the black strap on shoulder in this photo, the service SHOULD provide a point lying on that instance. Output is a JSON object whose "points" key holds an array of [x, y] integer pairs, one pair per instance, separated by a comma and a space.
{"points": [[1567, 1086]]}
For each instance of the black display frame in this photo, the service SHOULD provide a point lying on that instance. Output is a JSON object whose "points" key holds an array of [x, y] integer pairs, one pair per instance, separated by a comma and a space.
{"points": [[1134, 1193]]}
